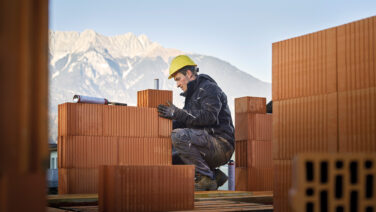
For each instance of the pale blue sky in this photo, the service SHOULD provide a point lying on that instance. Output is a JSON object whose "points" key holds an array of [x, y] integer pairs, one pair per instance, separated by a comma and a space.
{"points": [[240, 32]]}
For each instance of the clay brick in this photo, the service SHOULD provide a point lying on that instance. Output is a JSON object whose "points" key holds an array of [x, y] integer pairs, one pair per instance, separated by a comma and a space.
{"points": [[260, 155], [145, 151], [78, 180], [260, 179], [241, 179], [241, 153], [153, 98], [249, 104], [92, 151], [146, 188], [80, 119], [23, 192], [255, 154], [307, 124], [253, 179], [105, 120], [304, 66], [328, 182], [164, 127], [87, 151], [132, 122], [357, 120], [263, 127], [356, 44], [281, 184], [250, 126]]}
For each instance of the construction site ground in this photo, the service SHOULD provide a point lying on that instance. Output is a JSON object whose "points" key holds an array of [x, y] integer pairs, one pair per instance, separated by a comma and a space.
{"points": [[204, 201]]}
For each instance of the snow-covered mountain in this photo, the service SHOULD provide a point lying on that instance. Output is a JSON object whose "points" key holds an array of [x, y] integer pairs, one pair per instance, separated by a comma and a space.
{"points": [[116, 67]]}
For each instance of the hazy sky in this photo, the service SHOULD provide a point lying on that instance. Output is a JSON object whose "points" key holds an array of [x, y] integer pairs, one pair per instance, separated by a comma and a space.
{"points": [[239, 32]]}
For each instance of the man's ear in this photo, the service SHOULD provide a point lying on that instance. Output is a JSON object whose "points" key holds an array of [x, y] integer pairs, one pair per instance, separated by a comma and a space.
{"points": [[189, 74]]}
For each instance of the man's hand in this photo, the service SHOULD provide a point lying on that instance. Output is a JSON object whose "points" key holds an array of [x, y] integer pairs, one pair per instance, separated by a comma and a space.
{"points": [[168, 112]]}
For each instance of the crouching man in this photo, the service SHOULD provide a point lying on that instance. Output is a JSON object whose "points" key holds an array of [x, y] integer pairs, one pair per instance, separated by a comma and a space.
{"points": [[203, 133]]}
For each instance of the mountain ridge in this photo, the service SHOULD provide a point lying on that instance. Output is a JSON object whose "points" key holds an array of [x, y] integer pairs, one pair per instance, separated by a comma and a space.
{"points": [[116, 67]]}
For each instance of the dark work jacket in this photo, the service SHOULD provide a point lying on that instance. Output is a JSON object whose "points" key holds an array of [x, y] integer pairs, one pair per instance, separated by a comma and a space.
{"points": [[206, 108]]}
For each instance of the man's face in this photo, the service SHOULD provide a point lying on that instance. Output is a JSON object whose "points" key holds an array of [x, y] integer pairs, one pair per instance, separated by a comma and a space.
{"points": [[182, 81]]}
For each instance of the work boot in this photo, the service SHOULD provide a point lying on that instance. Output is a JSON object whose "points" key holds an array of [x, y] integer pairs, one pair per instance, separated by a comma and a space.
{"points": [[205, 183], [220, 177]]}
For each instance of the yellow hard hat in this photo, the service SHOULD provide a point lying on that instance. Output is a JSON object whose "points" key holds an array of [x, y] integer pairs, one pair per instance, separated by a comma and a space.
{"points": [[180, 62]]}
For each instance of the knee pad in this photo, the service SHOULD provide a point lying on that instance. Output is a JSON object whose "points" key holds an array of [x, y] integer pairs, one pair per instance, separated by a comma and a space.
{"points": [[179, 136]]}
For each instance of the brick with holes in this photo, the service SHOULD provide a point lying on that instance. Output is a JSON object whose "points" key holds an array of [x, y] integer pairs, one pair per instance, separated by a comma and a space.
{"points": [[334, 182]]}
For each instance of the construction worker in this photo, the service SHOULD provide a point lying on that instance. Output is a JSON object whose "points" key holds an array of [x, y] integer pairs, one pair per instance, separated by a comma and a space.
{"points": [[203, 133]]}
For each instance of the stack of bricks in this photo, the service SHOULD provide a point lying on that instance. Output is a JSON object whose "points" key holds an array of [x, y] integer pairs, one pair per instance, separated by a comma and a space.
{"points": [[91, 135], [324, 97], [253, 145]]}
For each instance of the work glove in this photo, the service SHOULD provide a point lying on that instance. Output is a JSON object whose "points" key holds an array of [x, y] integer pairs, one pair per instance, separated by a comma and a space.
{"points": [[168, 112]]}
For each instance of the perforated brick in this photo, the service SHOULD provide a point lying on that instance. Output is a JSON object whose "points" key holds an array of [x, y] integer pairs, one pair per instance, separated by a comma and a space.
{"points": [[334, 182]]}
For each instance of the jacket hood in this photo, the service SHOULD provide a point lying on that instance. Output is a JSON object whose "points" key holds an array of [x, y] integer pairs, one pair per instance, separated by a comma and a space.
{"points": [[203, 77]]}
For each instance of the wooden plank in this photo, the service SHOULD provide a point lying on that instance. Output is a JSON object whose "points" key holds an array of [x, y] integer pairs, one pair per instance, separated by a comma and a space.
{"points": [[72, 199], [208, 206], [201, 197]]}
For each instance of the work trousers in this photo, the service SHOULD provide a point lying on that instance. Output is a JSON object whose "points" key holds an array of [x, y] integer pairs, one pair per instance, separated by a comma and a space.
{"points": [[198, 147]]}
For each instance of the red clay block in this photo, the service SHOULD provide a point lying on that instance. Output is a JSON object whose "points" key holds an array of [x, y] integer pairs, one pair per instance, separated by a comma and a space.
{"points": [[307, 124], [263, 127], [255, 154], [78, 180], [241, 179], [130, 121], [144, 151], [281, 184], [164, 127], [356, 44], [357, 120], [340, 176], [250, 105], [146, 188], [87, 151], [276, 61], [250, 126], [23, 192], [260, 155], [241, 153], [92, 151], [260, 179], [80, 119], [105, 120], [304, 66], [153, 98]]}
